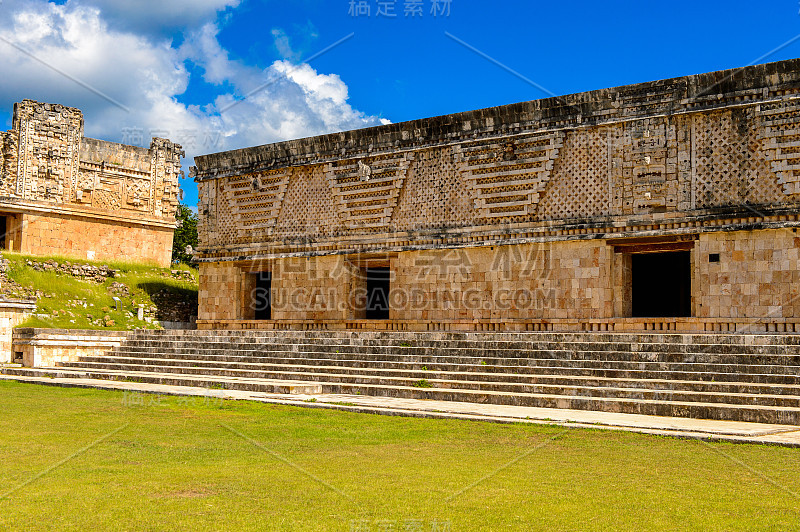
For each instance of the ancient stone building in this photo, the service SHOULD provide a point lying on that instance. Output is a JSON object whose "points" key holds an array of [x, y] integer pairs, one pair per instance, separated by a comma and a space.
{"points": [[669, 205], [64, 194]]}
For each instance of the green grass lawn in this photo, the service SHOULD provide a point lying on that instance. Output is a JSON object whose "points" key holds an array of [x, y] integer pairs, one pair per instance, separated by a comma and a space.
{"points": [[71, 303], [190, 464]]}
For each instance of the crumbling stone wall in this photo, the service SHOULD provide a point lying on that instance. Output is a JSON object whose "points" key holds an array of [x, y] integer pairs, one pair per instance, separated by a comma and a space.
{"points": [[8, 168], [77, 196], [714, 157], [677, 147]]}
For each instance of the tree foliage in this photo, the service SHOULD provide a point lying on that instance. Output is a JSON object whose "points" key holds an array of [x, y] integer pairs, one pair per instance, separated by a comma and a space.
{"points": [[185, 234]]}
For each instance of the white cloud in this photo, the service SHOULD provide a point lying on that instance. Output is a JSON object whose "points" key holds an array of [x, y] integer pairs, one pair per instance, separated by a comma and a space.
{"points": [[158, 16], [146, 74], [142, 75], [282, 102], [282, 44]]}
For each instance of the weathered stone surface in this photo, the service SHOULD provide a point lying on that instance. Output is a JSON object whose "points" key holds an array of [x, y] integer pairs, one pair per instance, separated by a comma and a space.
{"points": [[681, 150], [65, 194], [46, 347], [520, 215], [646, 373], [80, 271]]}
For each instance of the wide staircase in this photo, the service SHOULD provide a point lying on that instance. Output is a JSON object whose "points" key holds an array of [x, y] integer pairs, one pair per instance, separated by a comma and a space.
{"points": [[737, 377]]}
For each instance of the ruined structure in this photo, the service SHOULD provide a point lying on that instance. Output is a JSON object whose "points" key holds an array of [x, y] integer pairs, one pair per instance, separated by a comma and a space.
{"points": [[64, 194], [669, 205]]}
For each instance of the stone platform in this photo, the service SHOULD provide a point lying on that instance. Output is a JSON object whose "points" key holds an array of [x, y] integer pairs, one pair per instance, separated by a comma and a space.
{"points": [[700, 429], [753, 378]]}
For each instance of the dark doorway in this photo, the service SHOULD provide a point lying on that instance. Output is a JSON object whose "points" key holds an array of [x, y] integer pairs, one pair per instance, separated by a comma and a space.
{"points": [[263, 296], [661, 285], [377, 293], [3, 229]]}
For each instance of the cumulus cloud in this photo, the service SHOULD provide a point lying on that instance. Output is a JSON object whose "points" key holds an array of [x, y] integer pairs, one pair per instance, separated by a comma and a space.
{"points": [[136, 79], [154, 17], [284, 101], [67, 54]]}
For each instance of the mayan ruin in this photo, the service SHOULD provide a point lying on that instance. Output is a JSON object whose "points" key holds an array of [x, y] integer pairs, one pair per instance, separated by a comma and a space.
{"points": [[669, 205], [399, 265], [68, 195]]}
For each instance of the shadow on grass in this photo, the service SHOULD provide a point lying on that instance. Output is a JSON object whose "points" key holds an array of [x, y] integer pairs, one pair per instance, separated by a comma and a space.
{"points": [[172, 302]]}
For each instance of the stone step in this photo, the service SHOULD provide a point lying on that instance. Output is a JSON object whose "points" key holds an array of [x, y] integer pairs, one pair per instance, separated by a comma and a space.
{"points": [[416, 374], [645, 337], [741, 363], [657, 407], [781, 358], [718, 376], [655, 370], [527, 346], [532, 344], [217, 382]]}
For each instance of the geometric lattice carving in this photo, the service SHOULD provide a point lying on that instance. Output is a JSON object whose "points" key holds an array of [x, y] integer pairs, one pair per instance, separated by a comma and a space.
{"points": [[108, 197], [137, 193], [111, 187], [307, 211], [781, 134], [85, 185], [255, 199], [579, 186], [365, 191], [506, 178], [434, 195], [730, 165]]}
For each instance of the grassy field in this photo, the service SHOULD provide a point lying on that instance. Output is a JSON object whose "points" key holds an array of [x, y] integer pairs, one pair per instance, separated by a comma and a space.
{"points": [[191, 464], [71, 303]]}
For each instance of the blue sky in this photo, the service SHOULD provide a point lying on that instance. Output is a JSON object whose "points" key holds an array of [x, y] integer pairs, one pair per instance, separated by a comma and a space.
{"points": [[174, 68]]}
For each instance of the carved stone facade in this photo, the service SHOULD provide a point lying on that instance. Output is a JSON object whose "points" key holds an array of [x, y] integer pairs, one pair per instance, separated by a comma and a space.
{"points": [[64, 194], [669, 204]]}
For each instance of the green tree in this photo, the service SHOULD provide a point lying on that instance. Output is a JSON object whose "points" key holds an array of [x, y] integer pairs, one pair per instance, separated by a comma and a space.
{"points": [[185, 234]]}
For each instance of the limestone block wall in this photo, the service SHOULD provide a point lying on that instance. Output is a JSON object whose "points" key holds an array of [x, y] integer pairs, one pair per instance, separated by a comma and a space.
{"points": [[757, 276], [45, 347], [49, 168], [12, 313], [220, 294], [301, 289], [317, 288], [707, 164], [552, 281], [533, 281], [94, 239]]}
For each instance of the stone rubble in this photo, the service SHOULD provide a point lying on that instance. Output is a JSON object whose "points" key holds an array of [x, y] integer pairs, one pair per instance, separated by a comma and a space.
{"points": [[81, 271], [95, 199], [174, 305]]}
